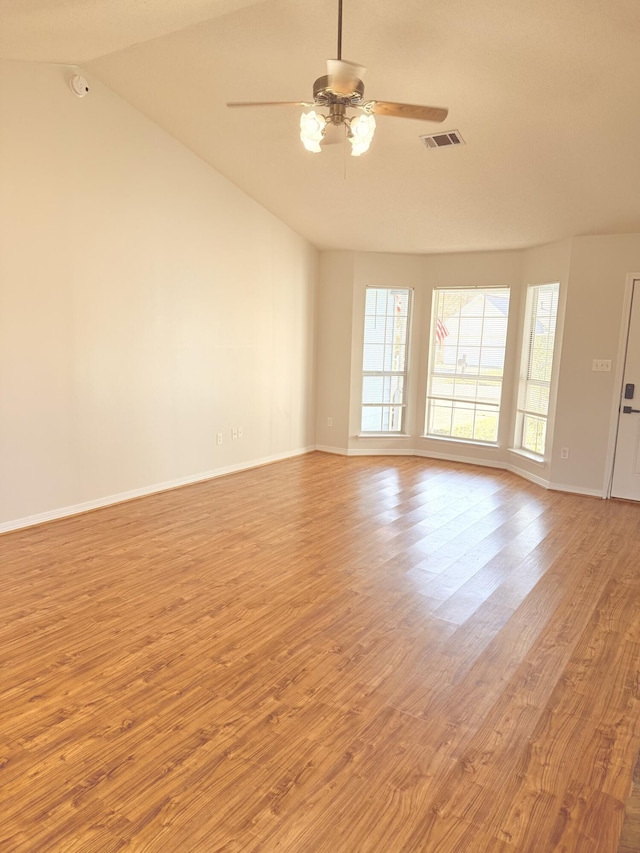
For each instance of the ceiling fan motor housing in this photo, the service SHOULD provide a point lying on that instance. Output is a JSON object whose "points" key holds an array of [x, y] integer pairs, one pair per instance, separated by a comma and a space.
{"points": [[323, 94]]}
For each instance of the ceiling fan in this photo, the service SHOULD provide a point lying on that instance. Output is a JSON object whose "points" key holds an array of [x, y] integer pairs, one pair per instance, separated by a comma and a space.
{"points": [[340, 89]]}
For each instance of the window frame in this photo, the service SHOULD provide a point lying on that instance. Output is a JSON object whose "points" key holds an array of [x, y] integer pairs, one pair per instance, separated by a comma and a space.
{"points": [[525, 381], [476, 405], [387, 374]]}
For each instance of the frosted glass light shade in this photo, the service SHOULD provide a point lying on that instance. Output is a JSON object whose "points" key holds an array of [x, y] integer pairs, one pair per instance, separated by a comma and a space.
{"points": [[361, 133], [312, 127]]}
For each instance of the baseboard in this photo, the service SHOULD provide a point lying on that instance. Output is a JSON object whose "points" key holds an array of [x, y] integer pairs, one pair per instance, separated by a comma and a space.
{"points": [[577, 490], [337, 451], [145, 491], [527, 475], [392, 451], [468, 460], [88, 506], [452, 457]]}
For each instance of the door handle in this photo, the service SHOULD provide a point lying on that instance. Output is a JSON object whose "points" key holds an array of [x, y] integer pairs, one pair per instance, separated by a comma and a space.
{"points": [[627, 410]]}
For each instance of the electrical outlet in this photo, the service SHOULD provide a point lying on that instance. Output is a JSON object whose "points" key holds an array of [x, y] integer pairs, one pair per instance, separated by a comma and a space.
{"points": [[564, 453], [234, 432], [330, 422], [219, 438], [239, 432]]}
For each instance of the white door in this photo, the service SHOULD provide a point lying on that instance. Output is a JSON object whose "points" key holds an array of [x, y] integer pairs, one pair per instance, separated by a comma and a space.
{"points": [[626, 468]]}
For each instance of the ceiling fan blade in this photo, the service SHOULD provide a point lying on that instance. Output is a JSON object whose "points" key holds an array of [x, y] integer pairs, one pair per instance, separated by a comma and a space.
{"points": [[270, 104], [344, 76], [388, 108]]}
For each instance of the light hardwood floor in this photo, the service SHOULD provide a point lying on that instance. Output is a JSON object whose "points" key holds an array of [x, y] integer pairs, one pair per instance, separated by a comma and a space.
{"points": [[325, 654]]}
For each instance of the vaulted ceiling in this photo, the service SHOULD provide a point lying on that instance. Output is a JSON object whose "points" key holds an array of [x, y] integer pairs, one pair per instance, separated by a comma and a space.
{"points": [[546, 96]]}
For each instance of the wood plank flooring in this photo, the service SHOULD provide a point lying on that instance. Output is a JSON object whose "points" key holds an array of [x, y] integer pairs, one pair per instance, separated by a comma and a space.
{"points": [[326, 654], [630, 838]]}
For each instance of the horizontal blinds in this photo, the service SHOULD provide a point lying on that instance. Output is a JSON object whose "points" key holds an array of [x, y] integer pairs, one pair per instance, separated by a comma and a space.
{"points": [[537, 361], [385, 358], [468, 344]]}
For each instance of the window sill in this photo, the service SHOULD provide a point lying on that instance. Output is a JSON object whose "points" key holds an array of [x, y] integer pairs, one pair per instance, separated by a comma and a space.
{"points": [[526, 454], [491, 445], [378, 435]]}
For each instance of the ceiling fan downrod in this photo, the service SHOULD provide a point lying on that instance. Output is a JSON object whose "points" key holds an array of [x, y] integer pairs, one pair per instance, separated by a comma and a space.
{"points": [[339, 29]]}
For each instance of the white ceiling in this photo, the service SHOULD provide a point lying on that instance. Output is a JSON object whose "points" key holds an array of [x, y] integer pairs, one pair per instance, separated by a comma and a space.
{"points": [[546, 96]]}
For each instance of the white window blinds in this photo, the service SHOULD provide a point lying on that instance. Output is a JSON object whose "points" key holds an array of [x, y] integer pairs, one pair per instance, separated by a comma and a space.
{"points": [[536, 367], [466, 363], [385, 359]]}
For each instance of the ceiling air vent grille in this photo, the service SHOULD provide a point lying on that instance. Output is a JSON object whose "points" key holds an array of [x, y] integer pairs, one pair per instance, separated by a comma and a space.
{"points": [[441, 140]]}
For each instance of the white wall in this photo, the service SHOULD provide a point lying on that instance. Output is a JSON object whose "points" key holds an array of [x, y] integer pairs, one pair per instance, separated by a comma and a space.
{"points": [[146, 304], [335, 324], [597, 281]]}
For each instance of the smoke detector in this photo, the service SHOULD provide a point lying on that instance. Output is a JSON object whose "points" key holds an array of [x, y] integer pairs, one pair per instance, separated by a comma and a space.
{"points": [[79, 86]]}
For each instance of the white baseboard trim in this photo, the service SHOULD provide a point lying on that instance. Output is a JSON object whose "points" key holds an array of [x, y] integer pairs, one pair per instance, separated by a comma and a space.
{"points": [[527, 475], [145, 491], [337, 451], [469, 460], [451, 457], [577, 490], [122, 497], [392, 451]]}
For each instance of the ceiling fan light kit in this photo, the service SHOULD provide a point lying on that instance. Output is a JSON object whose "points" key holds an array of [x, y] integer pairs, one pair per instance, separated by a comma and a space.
{"points": [[361, 130], [342, 89], [312, 130]]}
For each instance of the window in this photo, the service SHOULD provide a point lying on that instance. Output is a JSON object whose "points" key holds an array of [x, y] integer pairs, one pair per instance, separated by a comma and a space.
{"points": [[385, 356], [466, 364], [535, 371]]}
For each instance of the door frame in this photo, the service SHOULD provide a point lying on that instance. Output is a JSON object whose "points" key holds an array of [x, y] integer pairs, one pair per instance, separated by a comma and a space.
{"points": [[618, 380]]}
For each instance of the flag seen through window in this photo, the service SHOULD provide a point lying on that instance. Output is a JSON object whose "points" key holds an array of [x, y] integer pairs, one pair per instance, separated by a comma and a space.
{"points": [[441, 331], [466, 365]]}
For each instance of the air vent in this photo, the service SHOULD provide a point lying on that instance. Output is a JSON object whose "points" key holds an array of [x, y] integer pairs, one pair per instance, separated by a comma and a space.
{"points": [[441, 140]]}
